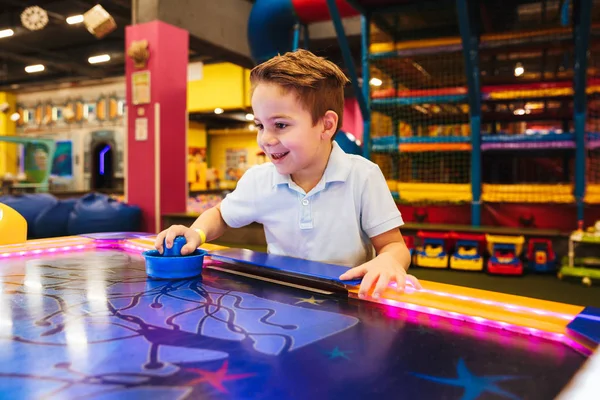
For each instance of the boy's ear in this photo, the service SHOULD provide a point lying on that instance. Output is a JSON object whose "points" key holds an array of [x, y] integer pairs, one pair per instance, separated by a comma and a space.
{"points": [[330, 121]]}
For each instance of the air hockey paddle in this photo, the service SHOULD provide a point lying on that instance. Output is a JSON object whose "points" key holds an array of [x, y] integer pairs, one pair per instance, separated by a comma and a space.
{"points": [[171, 264]]}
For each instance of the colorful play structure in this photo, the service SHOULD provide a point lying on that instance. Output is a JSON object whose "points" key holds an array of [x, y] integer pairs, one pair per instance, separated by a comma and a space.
{"points": [[476, 127]]}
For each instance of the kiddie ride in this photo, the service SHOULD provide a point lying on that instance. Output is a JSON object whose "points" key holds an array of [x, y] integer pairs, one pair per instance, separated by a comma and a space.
{"points": [[433, 251], [586, 267], [468, 251], [540, 255], [505, 254]]}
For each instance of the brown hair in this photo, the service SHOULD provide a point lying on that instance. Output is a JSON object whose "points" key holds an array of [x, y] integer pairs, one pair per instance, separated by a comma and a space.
{"points": [[318, 82]]}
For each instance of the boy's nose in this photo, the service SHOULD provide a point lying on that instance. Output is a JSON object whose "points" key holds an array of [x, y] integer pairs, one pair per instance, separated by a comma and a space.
{"points": [[268, 139]]}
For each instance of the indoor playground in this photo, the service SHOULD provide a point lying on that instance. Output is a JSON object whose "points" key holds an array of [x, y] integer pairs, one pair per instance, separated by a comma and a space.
{"points": [[120, 118]]}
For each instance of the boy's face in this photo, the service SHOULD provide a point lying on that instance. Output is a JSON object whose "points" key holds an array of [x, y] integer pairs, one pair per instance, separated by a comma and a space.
{"points": [[286, 133]]}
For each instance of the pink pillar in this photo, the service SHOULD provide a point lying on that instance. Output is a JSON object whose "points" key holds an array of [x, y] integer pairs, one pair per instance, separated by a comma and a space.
{"points": [[353, 121], [156, 125]]}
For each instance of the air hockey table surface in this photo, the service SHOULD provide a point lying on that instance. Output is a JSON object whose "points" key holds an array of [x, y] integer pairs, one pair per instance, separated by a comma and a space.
{"points": [[79, 318]]}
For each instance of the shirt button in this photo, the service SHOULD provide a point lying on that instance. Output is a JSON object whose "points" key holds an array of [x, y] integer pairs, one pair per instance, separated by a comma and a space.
{"points": [[305, 202]]}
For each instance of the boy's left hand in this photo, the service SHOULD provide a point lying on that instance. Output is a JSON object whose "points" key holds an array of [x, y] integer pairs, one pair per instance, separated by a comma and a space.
{"points": [[380, 271]]}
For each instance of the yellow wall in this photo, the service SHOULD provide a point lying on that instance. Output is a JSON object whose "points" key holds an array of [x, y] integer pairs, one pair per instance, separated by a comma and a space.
{"points": [[222, 85], [220, 141], [196, 135], [8, 151], [196, 169], [248, 98]]}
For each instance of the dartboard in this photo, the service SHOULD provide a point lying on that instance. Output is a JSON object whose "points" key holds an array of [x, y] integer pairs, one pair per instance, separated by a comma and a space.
{"points": [[34, 18]]}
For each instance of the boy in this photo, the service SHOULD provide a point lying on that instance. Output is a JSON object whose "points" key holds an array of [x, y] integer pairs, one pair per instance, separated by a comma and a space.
{"points": [[315, 201]]}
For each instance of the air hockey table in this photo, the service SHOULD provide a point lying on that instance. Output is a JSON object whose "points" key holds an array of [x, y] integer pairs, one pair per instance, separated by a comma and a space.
{"points": [[79, 318]]}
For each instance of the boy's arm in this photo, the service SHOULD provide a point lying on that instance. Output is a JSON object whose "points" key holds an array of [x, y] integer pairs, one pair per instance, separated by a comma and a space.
{"points": [[211, 223], [392, 243], [238, 208]]}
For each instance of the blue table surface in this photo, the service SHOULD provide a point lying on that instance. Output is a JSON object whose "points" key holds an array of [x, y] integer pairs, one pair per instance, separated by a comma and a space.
{"points": [[587, 324], [313, 269]]}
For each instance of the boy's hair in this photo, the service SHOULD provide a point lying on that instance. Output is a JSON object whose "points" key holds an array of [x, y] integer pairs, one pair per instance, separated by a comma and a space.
{"points": [[318, 82]]}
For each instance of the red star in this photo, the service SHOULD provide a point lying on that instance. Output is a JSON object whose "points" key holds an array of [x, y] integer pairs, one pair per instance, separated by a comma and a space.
{"points": [[216, 378]]}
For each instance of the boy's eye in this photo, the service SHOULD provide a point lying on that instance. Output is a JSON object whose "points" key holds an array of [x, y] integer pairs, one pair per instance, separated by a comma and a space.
{"points": [[259, 126], [280, 125]]}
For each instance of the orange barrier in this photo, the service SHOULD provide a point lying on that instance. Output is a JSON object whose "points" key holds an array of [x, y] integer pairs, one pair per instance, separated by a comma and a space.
{"points": [[487, 306], [497, 92], [417, 147], [456, 41]]}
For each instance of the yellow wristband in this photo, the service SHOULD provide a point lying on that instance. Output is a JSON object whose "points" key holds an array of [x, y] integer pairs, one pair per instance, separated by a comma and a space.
{"points": [[202, 236]]}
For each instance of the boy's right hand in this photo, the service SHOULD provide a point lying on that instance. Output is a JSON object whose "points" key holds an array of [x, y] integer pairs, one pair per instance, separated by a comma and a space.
{"points": [[193, 239]]}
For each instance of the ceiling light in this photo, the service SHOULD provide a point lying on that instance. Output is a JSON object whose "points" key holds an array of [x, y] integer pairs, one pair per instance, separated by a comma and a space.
{"points": [[34, 18], [99, 59], [15, 117], [6, 33], [250, 117], [218, 111], [74, 19], [34, 68], [519, 70], [376, 82]]}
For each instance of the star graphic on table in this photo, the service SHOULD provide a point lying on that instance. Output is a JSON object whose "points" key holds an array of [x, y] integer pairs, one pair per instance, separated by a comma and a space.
{"points": [[474, 385], [310, 300], [337, 353], [216, 378]]}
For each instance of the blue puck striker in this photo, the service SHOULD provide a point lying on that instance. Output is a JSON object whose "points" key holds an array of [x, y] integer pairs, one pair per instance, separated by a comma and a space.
{"points": [[171, 264]]}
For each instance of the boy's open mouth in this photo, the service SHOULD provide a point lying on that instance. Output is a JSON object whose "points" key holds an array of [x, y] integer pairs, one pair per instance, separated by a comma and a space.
{"points": [[279, 156]]}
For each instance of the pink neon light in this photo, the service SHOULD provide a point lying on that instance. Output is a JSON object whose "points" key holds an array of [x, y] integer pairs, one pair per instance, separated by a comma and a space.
{"points": [[65, 249], [491, 323]]}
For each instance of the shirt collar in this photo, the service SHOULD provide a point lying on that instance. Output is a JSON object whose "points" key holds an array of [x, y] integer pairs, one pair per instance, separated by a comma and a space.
{"points": [[337, 170]]}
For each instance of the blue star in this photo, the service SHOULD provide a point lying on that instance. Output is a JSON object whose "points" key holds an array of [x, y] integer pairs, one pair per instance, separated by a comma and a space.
{"points": [[335, 353], [474, 385]]}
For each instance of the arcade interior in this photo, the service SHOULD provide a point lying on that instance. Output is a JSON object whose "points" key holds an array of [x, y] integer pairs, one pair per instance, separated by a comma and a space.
{"points": [[492, 156]]}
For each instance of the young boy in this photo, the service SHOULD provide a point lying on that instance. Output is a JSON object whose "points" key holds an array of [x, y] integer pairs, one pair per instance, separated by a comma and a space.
{"points": [[315, 201]]}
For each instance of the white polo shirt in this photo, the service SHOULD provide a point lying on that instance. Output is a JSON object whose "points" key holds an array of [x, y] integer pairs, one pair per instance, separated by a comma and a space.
{"points": [[332, 223]]}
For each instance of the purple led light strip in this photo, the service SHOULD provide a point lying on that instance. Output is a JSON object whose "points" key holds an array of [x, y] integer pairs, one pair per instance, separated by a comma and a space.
{"points": [[558, 337], [50, 250]]}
